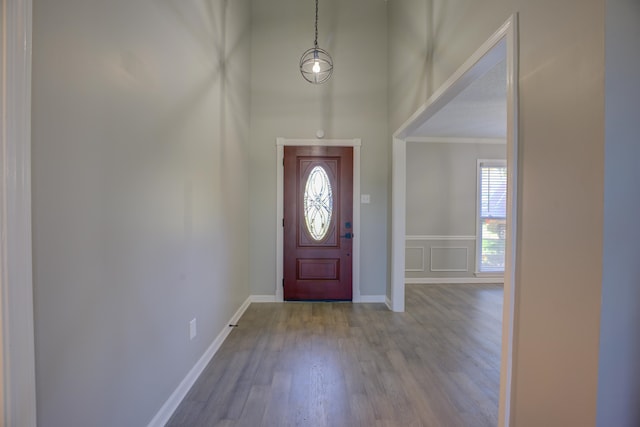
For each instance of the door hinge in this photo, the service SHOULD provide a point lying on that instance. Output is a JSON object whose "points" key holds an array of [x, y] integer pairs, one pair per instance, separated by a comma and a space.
{"points": [[283, 222], [283, 282]]}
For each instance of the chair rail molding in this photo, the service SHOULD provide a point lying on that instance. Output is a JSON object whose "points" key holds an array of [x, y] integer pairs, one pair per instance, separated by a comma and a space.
{"points": [[442, 237]]}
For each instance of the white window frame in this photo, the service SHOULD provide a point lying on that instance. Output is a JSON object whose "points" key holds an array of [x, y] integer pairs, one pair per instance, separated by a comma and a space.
{"points": [[486, 163]]}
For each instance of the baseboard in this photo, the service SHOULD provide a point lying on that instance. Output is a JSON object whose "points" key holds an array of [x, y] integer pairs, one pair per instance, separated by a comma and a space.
{"points": [[452, 280], [369, 299], [169, 407], [263, 298], [387, 302]]}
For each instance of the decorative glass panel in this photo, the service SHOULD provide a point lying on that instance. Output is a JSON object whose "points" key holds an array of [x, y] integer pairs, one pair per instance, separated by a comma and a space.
{"points": [[318, 203]]}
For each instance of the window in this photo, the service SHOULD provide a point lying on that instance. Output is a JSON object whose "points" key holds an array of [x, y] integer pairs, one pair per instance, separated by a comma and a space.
{"points": [[492, 215], [318, 203]]}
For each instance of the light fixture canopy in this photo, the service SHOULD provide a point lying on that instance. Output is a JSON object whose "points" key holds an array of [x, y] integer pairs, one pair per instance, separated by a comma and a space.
{"points": [[316, 65]]}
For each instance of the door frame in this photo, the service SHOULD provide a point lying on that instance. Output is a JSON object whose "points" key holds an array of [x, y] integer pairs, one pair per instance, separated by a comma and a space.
{"points": [[355, 268], [17, 355], [503, 44]]}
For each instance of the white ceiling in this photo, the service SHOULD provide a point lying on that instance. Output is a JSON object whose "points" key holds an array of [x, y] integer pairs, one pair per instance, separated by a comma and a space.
{"points": [[479, 111]]}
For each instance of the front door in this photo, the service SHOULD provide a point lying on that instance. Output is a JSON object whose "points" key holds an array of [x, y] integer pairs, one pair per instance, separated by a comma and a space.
{"points": [[318, 229]]}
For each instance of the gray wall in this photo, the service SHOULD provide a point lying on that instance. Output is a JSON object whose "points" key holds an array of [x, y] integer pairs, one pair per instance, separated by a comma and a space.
{"points": [[140, 198], [140, 183], [619, 375], [561, 178], [428, 41], [442, 186], [441, 201], [353, 104]]}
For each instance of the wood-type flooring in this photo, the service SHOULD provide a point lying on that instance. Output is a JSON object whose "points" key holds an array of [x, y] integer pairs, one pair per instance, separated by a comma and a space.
{"points": [[342, 364]]}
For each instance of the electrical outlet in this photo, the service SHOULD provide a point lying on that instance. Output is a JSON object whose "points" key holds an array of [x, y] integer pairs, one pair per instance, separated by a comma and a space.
{"points": [[365, 198], [192, 329]]}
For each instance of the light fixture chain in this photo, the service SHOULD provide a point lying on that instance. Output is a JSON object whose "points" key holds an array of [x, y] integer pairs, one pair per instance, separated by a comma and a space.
{"points": [[315, 43], [316, 65]]}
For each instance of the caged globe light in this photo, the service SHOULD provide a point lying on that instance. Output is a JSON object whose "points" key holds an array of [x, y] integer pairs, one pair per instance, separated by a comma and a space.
{"points": [[316, 65]]}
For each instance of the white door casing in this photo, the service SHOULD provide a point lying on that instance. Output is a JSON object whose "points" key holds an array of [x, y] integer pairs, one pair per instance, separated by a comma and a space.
{"points": [[18, 399]]}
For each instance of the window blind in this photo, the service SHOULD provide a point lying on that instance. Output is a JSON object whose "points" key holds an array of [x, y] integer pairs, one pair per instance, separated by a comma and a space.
{"points": [[492, 217]]}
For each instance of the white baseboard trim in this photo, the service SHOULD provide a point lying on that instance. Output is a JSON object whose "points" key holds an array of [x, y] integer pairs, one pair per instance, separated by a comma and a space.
{"points": [[452, 280], [169, 407], [387, 302], [369, 299], [263, 298]]}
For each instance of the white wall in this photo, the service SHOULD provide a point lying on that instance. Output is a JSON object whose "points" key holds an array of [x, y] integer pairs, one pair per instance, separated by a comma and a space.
{"points": [[619, 375], [561, 128], [140, 198], [442, 201], [353, 104]]}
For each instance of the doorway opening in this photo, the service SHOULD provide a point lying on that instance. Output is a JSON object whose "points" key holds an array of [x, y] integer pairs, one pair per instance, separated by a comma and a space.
{"points": [[502, 46]]}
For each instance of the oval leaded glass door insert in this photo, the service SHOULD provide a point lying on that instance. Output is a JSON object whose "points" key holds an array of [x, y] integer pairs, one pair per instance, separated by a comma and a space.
{"points": [[318, 203]]}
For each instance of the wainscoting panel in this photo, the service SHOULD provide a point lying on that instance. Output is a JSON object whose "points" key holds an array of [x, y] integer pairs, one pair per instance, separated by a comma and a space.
{"points": [[438, 256], [414, 259], [449, 259]]}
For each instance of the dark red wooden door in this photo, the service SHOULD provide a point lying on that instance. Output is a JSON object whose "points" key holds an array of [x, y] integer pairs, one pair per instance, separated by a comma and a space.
{"points": [[318, 229]]}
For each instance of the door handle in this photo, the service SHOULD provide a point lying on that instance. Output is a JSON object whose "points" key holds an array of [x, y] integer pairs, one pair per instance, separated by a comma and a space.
{"points": [[347, 235]]}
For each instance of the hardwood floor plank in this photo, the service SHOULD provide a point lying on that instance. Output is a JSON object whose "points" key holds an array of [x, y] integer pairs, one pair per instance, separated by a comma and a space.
{"points": [[276, 409], [342, 364], [254, 407]]}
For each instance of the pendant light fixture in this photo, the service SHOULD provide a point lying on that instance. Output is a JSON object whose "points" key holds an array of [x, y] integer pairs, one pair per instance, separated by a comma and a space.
{"points": [[316, 65]]}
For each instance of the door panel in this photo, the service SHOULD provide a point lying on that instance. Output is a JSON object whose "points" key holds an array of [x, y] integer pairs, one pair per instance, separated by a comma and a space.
{"points": [[318, 206], [314, 269]]}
